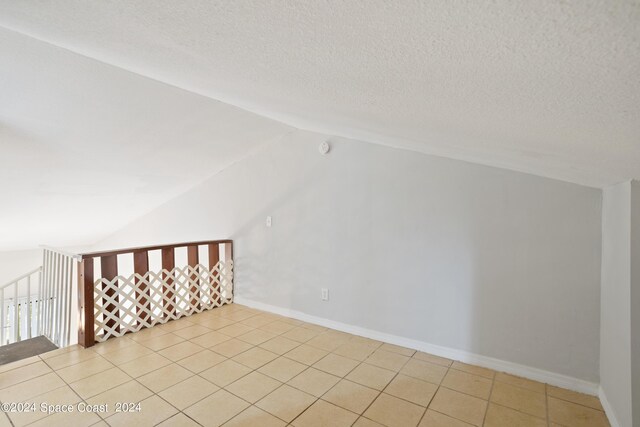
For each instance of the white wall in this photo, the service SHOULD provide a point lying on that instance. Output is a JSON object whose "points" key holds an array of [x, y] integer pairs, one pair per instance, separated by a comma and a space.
{"points": [[635, 299], [475, 258], [615, 335], [16, 263]]}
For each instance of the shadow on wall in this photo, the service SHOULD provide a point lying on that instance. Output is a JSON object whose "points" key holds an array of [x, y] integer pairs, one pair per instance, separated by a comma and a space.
{"points": [[444, 252], [463, 256]]}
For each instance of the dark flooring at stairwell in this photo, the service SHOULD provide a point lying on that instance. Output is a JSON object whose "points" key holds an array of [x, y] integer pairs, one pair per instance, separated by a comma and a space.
{"points": [[25, 349]]}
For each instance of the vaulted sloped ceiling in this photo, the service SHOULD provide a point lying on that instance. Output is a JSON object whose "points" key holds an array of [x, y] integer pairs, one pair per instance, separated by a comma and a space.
{"points": [[86, 147], [547, 87]]}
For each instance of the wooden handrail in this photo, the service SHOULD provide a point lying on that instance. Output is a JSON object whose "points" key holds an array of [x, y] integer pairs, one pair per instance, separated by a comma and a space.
{"points": [[151, 248], [108, 262]]}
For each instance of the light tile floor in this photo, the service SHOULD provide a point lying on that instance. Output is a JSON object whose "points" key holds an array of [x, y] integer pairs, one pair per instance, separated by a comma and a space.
{"points": [[236, 366]]}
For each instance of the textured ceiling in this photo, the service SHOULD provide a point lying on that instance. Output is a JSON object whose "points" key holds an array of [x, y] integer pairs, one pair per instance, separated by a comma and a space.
{"points": [[548, 87], [86, 147]]}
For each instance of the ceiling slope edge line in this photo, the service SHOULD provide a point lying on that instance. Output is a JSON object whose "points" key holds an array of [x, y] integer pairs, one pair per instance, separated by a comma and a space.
{"points": [[559, 173], [256, 150]]}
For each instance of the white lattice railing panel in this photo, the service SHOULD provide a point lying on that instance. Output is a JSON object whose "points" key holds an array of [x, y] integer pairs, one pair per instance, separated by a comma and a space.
{"points": [[129, 304]]}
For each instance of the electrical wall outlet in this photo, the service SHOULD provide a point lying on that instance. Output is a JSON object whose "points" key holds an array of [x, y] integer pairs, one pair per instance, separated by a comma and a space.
{"points": [[325, 294], [268, 221]]}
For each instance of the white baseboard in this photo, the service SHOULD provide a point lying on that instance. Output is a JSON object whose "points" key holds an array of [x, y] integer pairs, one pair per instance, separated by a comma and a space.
{"points": [[607, 408], [524, 371]]}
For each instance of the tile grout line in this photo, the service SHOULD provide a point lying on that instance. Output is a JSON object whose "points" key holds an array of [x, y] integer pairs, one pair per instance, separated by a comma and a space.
{"points": [[434, 393], [379, 347], [486, 411]]}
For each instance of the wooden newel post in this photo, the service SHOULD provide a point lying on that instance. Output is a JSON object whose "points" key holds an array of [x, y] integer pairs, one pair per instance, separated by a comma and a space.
{"points": [[169, 263], [214, 257], [86, 337]]}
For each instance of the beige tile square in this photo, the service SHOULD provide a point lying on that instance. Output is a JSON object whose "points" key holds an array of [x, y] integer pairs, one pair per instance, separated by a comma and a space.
{"points": [[162, 341], [235, 330], [180, 351], [436, 419], [216, 323], [188, 392], [327, 341], [366, 422], [231, 347], [252, 417], [472, 369], [424, 371], [23, 373], [277, 327], [371, 376], [176, 325], [437, 360], [349, 395], [572, 414], [153, 410], [253, 387], [58, 352], [240, 315], [373, 344], [294, 322], [286, 402], [201, 361], [460, 406], [322, 414], [210, 339], [144, 365], [132, 392], [314, 382], [300, 334], [100, 382], [30, 388], [387, 360], [397, 349], [282, 369], [216, 409], [312, 327], [520, 382], [256, 337], [255, 357], [62, 419], [355, 350], [84, 369], [412, 389], [164, 377], [393, 412], [58, 396], [127, 353], [178, 420], [192, 332], [147, 333], [280, 345], [501, 416], [112, 344], [518, 398], [468, 383], [574, 397], [336, 365], [306, 354], [70, 358], [258, 321], [19, 363], [225, 373]]}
